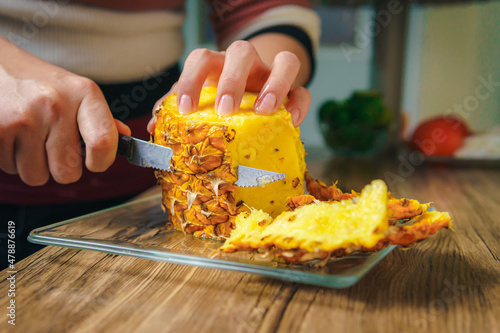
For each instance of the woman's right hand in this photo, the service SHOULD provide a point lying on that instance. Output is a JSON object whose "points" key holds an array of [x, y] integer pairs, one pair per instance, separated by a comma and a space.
{"points": [[43, 111]]}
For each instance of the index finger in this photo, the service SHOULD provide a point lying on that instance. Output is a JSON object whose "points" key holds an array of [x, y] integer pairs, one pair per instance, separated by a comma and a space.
{"points": [[98, 130], [200, 65], [241, 60]]}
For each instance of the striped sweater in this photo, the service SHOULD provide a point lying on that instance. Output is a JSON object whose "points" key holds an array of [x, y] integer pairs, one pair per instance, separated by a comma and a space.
{"points": [[119, 42]]}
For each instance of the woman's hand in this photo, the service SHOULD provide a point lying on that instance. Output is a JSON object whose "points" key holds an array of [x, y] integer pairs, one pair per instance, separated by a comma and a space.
{"points": [[237, 70], [44, 110]]}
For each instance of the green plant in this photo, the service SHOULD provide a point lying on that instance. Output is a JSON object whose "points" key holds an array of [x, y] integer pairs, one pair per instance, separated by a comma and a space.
{"points": [[356, 125]]}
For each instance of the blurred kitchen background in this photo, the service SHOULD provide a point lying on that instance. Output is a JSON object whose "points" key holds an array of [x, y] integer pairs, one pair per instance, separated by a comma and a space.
{"points": [[451, 51]]}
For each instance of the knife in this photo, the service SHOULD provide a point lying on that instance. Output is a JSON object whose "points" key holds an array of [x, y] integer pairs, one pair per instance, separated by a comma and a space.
{"points": [[146, 154]]}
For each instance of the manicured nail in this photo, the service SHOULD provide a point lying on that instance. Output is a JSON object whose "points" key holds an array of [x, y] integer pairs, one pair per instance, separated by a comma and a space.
{"points": [[185, 104], [267, 104], [295, 116], [226, 105]]}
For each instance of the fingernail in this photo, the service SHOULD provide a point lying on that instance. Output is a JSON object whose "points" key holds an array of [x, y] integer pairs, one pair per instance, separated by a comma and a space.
{"points": [[185, 104], [295, 116], [226, 105], [267, 104]]}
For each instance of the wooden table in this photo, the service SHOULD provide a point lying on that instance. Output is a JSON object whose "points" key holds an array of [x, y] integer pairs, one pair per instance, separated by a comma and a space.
{"points": [[448, 283]]}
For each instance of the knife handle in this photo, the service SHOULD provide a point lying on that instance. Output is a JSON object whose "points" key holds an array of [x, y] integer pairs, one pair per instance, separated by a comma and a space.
{"points": [[124, 145]]}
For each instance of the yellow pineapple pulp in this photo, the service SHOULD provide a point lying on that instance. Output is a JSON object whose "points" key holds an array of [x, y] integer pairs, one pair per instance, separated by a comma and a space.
{"points": [[199, 193], [318, 226], [339, 224]]}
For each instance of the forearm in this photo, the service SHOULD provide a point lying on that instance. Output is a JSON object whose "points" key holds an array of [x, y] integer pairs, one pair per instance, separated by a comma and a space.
{"points": [[20, 64], [268, 45], [14, 57]]}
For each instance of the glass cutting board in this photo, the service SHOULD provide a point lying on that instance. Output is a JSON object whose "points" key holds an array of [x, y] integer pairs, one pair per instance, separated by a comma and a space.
{"points": [[138, 229]]}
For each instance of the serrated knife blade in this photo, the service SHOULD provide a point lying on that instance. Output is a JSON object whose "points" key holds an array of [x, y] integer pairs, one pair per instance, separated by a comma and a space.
{"points": [[144, 154], [251, 177], [147, 154]]}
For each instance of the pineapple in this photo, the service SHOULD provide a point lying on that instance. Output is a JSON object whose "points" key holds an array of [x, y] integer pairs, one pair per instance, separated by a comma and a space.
{"points": [[319, 228], [399, 209], [366, 221], [199, 193]]}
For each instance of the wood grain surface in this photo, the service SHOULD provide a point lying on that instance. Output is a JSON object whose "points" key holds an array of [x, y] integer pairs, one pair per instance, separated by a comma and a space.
{"points": [[447, 283]]}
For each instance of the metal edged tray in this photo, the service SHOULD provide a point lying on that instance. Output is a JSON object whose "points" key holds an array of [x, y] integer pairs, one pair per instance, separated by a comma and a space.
{"points": [[138, 229]]}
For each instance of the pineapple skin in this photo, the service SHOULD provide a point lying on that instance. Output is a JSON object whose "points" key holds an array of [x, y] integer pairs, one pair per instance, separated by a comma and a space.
{"points": [[318, 228], [199, 193]]}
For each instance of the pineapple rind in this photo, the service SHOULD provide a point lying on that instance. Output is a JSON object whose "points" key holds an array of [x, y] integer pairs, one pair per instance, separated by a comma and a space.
{"points": [[323, 226], [348, 227], [199, 193]]}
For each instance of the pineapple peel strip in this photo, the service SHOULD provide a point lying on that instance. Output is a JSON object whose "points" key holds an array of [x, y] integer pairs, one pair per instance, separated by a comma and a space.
{"points": [[308, 241], [323, 226]]}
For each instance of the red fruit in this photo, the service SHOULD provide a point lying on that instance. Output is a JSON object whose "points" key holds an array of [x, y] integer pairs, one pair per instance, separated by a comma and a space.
{"points": [[440, 136], [457, 124]]}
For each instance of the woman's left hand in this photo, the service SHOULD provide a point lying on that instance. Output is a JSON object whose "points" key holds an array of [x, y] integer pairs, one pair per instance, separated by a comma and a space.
{"points": [[240, 69]]}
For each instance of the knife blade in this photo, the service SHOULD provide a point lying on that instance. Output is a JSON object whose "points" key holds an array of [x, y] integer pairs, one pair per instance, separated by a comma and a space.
{"points": [[147, 154], [143, 153]]}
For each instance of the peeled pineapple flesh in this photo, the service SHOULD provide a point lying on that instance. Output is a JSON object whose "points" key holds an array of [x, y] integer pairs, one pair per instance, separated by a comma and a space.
{"points": [[199, 193], [321, 229], [320, 226]]}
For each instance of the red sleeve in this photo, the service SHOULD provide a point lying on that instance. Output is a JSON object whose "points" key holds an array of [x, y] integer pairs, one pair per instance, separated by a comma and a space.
{"points": [[132, 6], [228, 17]]}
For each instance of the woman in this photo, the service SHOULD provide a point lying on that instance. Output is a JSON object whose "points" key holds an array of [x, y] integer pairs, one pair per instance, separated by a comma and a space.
{"points": [[88, 69]]}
